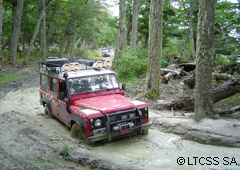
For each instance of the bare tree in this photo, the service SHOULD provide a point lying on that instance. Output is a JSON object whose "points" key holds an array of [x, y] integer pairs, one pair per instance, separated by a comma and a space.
{"points": [[153, 77], [15, 32], [204, 59], [65, 38], [50, 29], [35, 32], [134, 24], [43, 32], [123, 28]]}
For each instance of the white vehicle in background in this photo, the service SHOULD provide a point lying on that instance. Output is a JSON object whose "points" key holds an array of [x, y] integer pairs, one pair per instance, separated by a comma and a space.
{"points": [[107, 52]]}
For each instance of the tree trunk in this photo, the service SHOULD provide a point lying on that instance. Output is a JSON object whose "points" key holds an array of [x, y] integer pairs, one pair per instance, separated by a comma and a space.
{"points": [[68, 46], [153, 77], [15, 32], [123, 28], [129, 29], [0, 32], [116, 51], [35, 33], [191, 36], [50, 30], [63, 42], [43, 32], [134, 24], [204, 55]]}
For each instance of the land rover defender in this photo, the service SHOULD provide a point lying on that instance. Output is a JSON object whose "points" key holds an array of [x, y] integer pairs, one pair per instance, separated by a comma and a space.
{"points": [[87, 97]]}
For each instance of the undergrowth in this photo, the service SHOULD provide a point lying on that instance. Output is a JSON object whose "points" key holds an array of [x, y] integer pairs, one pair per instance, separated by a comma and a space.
{"points": [[65, 151], [132, 65], [8, 77]]}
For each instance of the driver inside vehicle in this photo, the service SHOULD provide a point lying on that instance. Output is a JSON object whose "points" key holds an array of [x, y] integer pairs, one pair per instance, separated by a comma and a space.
{"points": [[93, 83]]}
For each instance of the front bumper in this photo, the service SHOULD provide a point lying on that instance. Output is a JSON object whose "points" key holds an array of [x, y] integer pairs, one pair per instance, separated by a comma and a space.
{"points": [[109, 136]]}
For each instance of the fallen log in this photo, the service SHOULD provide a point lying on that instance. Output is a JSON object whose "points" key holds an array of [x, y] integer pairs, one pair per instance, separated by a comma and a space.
{"points": [[224, 76], [226, 90], [223, 91], [228, 68], [227, 112], [184, 103], [190, 79], [171, 73]]}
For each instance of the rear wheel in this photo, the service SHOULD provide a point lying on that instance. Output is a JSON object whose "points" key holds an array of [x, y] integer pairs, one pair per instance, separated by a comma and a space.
{"points": [[76, 132], [47, 112]]}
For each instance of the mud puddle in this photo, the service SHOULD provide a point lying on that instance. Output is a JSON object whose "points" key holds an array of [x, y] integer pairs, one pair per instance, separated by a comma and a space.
{"points": [[28, 140]]}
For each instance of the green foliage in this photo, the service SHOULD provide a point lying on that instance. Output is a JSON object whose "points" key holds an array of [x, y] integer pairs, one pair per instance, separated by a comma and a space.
{"points": [[65, 151], [80, 52], [221, 60], [132, 65], [227, 27], [35, 57]]}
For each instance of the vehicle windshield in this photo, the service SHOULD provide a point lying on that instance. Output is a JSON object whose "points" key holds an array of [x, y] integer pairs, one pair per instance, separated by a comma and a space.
{"points": [[92, 83]]}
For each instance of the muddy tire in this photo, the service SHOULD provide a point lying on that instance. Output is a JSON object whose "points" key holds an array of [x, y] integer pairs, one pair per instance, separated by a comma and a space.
{"points": [[76, 132], [144, 132], [47, 112]]}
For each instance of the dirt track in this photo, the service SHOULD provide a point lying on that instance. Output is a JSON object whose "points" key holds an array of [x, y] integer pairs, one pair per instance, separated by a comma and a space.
{"points": [[28, 140]]}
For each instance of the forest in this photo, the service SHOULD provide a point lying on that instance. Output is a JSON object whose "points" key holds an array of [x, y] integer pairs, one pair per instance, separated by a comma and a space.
{"points": [[32, 30], [178, 67]]}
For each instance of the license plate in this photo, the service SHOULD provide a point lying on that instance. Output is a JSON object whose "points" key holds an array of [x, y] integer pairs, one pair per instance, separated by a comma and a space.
{"points": [[126, 130]]}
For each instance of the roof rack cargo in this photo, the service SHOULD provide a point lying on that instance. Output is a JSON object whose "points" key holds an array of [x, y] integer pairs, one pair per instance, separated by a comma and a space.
{"points": [[55, 62], [57, 65]]}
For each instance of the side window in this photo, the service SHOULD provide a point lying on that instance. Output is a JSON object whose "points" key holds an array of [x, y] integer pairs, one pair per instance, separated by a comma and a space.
{"points": [[62, 90], [54, 84], [44, 81]]}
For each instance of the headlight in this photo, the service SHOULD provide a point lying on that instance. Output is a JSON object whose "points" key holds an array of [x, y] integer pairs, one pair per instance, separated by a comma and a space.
{"points": [[140, 113], [98, 122]]}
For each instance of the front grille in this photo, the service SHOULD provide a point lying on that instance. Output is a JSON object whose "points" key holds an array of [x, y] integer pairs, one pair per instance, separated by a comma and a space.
{"points": [[119, 120], [122, 116]]}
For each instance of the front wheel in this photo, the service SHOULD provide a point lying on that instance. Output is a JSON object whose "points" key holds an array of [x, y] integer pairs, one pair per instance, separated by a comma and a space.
{"points": [[76, 132], [144, 132]]}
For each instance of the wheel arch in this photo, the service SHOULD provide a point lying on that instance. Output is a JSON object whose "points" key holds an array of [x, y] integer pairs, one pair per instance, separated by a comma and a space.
{"points": [[80, 122], [46, 103]]}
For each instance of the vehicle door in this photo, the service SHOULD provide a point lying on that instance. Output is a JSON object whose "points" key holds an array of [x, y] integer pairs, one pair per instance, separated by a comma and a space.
{"points": [[62, 101]]}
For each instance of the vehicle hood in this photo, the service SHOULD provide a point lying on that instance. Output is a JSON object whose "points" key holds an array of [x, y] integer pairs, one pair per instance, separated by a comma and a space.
{"points": [[106, 103]]}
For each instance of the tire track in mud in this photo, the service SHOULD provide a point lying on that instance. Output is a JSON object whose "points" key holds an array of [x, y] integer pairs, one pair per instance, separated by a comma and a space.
{"points": [[26, 144]]}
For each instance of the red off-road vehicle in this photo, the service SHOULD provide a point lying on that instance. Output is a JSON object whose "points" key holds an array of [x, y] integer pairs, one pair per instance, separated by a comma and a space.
{"points": [[86, 96]]}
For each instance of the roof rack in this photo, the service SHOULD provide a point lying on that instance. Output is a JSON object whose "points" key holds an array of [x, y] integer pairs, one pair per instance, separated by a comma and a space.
{"points": [[54, 65]]}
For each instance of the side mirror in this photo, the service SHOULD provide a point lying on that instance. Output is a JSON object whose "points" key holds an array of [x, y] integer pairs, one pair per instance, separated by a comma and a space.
{"points": [[123, 86]]}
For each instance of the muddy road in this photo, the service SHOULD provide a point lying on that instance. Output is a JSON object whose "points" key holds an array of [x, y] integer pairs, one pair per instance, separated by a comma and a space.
{"points": [[29, 140]]}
